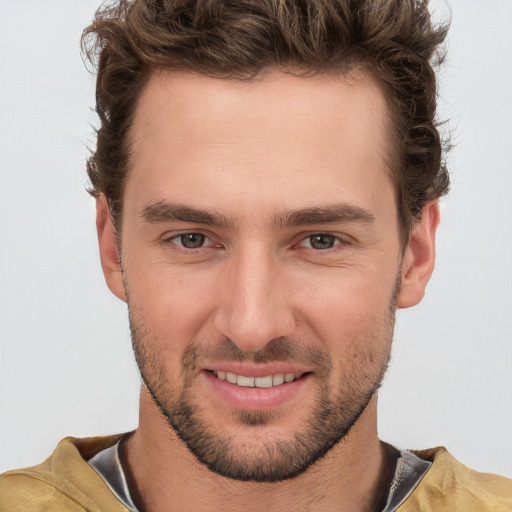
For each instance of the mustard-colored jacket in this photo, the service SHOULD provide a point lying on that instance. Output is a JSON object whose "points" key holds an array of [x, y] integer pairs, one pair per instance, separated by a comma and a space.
{"points": [[66, 483]]}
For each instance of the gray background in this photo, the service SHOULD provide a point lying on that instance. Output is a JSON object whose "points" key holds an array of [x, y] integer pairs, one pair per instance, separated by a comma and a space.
{"points": [[65, 360]]}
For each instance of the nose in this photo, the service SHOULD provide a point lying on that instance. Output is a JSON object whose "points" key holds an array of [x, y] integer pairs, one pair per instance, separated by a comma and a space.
{"points": [[254, 304]]}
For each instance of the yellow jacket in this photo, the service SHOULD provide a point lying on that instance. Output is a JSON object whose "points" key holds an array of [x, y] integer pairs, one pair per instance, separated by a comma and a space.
{"points": [[66, 483]]}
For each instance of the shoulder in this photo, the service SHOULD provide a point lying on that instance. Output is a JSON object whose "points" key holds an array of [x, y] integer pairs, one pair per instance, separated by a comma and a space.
{"points": [[63, 482], [23, 490], [451, 486]]}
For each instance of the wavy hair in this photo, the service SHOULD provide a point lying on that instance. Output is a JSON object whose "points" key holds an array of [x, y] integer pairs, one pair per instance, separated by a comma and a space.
{"points": [[395, 40]]}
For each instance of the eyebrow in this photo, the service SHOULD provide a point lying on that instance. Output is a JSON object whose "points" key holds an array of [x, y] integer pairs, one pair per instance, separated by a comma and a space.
{"points": [[324, 215], [168, 211], [163, 211]]}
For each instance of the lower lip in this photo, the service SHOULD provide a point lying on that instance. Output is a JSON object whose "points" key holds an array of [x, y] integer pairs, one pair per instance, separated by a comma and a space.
{"points": [[255, 399]]}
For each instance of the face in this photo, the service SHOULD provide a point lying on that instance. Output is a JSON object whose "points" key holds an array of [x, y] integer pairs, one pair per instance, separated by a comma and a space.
{"points": [[261, 263]]}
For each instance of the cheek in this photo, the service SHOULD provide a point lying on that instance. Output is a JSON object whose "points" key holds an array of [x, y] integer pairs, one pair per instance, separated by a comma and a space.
{"points": [[168, 303], [349, 306]]}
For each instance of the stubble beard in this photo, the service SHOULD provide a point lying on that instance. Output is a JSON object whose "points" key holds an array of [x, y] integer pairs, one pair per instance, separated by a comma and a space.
{"points": [[267, 458]]}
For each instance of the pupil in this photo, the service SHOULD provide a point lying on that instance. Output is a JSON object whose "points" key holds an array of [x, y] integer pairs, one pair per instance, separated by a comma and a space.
{"points": [[192, 240], [322, 241]]}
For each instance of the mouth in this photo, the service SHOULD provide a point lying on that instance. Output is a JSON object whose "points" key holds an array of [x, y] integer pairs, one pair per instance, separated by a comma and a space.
{"points": [[266, 381], [255, 388]]}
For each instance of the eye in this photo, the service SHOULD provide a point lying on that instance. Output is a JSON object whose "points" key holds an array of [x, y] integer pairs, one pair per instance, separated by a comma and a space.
{"points": [[320, 241], [190, 240]]}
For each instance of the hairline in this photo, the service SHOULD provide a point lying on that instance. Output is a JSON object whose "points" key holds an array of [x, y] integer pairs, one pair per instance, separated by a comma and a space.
{"points": [[391, 154]]}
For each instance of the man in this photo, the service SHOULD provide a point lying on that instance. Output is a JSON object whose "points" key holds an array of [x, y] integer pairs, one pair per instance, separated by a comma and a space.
{"points": [[267, 177]]}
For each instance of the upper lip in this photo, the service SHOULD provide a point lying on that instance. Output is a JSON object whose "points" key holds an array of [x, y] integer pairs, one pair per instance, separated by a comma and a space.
{"points": [[256, 370]]}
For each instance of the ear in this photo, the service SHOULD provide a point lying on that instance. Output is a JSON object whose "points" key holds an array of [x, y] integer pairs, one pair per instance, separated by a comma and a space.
{"points": [[419, 258], [109, 250]]}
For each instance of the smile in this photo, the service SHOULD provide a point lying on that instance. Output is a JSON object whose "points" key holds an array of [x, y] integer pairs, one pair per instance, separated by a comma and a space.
{"points": [[257, 382]]}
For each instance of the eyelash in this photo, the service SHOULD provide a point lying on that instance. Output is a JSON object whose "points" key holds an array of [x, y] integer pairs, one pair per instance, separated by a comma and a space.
{"points": [[338, 241], [175, 238]]}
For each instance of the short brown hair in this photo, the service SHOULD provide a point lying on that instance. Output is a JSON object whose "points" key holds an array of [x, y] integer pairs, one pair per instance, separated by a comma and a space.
{"points": [[238, 39]]}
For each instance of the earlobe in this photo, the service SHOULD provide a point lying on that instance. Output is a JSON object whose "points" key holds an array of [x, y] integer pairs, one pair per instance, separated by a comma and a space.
{"points": [[109, 250], [419, 258]]}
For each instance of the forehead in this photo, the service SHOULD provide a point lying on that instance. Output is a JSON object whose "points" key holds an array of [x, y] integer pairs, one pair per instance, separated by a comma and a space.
{"points": [[277, 137], [328, 103]]}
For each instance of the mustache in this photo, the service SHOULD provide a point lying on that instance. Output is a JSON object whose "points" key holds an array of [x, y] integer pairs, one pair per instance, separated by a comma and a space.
{"points": [[278, 349]]}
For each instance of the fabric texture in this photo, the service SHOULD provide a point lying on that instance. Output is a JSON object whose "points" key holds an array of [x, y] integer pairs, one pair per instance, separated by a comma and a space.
{"points": [[409, 471], [108, 464], [452, 486], [65, 482]]}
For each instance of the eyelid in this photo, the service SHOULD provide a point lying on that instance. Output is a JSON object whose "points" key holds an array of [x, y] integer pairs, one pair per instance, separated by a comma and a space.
{"points": [[168, 238], [341, 240]]}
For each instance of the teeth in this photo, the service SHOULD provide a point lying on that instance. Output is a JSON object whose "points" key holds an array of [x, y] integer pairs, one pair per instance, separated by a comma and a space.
{"points": [[257, 382], [278, 379], [263, 382], [246, 382], [231, 377]]}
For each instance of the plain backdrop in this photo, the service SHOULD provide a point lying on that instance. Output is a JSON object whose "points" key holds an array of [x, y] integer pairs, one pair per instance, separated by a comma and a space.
{"points": [[66, 366]]}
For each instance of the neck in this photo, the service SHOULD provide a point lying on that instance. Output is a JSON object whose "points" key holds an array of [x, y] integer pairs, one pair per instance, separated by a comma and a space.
{"points": [[160, 470]]}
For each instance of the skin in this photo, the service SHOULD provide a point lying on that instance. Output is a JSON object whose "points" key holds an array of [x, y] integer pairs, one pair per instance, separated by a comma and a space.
{"points": [[254, 154]]}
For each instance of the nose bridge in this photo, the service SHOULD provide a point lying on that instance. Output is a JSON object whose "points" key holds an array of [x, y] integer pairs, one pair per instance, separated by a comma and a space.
{"points": [[253, 309]]}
